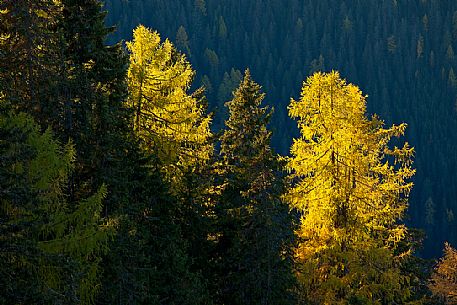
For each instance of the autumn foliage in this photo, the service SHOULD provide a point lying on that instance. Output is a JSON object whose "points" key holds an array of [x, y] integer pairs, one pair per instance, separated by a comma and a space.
{"points": [[351, 189], [444, 279]]}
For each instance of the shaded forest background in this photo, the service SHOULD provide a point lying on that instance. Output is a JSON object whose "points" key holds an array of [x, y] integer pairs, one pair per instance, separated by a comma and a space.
{"points": [[117, 186], [400, 53]]}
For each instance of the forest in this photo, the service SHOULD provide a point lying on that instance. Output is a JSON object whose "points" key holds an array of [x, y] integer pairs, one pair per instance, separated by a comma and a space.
{"points": [[400, 53], [266, 152]]}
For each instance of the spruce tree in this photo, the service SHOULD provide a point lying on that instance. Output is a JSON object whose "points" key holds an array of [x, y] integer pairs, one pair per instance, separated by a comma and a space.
{"points": [[94, 88], [50, 251], [30, 57], [352, 190], [253, 222]]}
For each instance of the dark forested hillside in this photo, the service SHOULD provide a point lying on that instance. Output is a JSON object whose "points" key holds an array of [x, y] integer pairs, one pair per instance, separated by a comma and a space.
{"points": [[139, 169], [401, 53]]}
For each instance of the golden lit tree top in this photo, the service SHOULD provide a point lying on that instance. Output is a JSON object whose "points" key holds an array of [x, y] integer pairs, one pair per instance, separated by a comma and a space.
{"points": [[444, 280], [348, 177], [170, 122], [351, 190]]}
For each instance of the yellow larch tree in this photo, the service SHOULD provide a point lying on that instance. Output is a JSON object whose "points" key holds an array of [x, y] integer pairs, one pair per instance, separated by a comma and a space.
{"points": [[443, 282], [170, 122], [351, 190]]}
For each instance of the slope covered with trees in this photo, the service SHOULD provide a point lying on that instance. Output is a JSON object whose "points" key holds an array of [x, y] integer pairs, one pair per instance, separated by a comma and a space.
{"points": [[115, 190], [401, 53]]}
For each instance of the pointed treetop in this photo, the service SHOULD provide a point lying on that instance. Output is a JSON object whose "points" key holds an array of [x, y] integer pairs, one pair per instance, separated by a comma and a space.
{"points": [[248, 93]]}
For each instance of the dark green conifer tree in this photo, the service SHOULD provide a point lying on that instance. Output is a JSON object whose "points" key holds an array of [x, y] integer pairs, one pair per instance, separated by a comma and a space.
{"points": [[95, 90], [49, 251], [149, 261], [254, 224], [54, 65], [30, 56], [68, 78]]}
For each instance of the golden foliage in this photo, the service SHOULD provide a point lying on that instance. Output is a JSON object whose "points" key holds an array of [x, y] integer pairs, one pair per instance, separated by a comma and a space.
{"points": [[351, 189], [169, 121], [444, 279]]}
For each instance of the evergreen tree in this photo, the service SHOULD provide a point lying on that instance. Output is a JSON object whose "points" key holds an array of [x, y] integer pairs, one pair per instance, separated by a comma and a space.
{"points": [[29, 57], [94, 88], [182, 40], [254, 224], [149, 261], [50, 251], [351, 190]]}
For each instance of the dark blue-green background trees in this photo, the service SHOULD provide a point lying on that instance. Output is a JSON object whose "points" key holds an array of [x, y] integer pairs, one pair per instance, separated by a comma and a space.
{"points": [[401, 53]]}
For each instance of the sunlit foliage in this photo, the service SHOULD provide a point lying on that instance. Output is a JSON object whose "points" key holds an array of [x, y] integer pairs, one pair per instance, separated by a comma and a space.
{"points": [[170, 121], [444, 279], [351, 190]]}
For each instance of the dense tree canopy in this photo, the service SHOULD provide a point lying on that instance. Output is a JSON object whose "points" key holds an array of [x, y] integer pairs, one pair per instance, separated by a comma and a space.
{"points": [[114, 189], [401, 53], [51, 248]]}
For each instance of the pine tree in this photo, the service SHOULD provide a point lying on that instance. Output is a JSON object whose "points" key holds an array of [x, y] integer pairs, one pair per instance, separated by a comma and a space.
{"points": [[255, 226], [443, 282], [50, 251], [351, 190]]}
